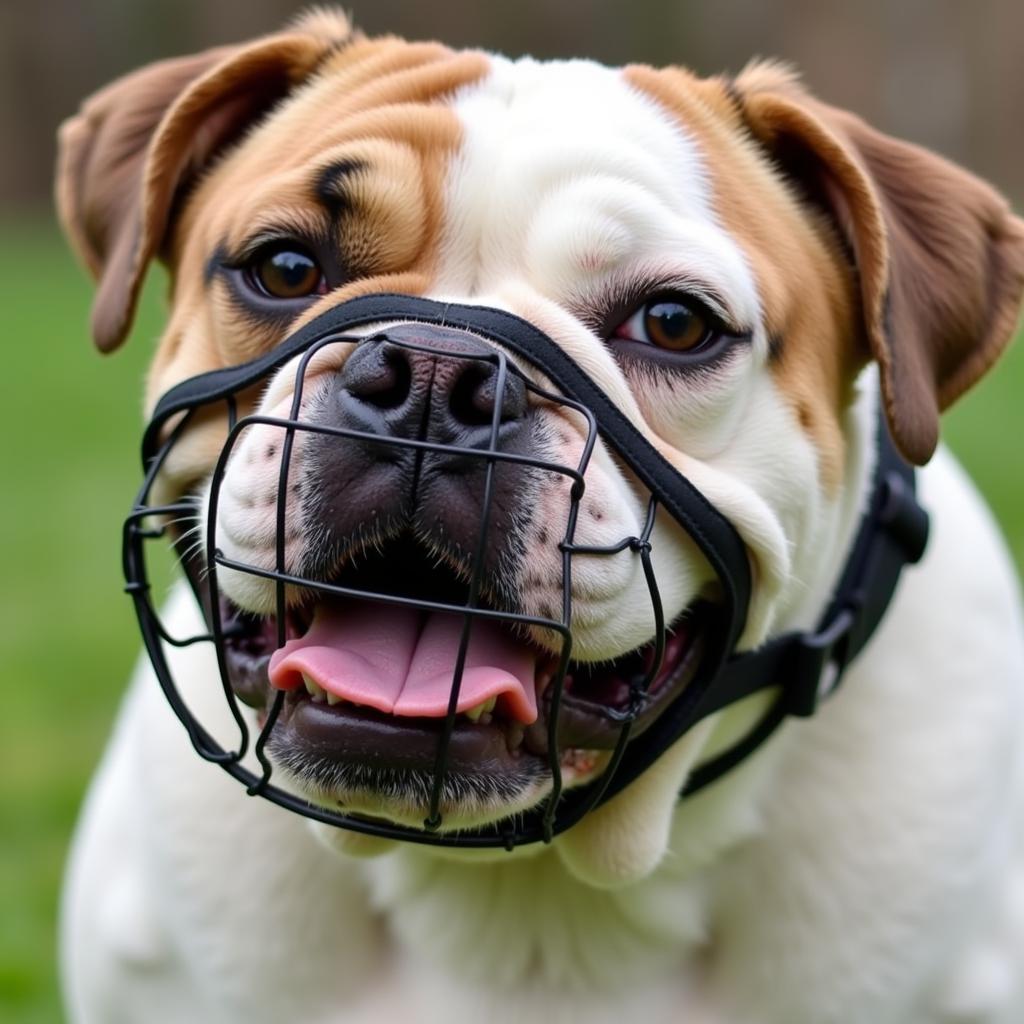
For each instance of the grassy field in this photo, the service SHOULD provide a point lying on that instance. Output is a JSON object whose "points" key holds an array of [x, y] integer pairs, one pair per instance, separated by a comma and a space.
{"points": [[70, 465]]}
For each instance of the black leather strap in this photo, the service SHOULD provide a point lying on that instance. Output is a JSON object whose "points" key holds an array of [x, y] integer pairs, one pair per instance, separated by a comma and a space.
{"points": [[809, 667]]}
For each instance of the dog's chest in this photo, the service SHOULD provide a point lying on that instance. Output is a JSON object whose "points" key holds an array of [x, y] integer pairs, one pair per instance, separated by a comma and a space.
{"points": [[528, 931], [430, 999]]}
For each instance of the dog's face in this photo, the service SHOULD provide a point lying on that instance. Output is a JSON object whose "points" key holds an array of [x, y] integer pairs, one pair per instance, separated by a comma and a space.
{"points": [[721, 256]]}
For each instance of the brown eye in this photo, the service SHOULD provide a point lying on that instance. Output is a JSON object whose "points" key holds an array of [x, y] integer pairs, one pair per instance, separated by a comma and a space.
{"points": [[288, 273], [674, 326], [668, 324]]}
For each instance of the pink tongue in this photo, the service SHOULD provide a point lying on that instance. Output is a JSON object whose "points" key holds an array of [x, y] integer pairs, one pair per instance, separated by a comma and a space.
{"points": [[400, 661]]}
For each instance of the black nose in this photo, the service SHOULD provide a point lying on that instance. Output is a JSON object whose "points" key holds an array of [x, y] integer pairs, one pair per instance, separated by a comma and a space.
{"points": [[422, 384], [431, 385]]}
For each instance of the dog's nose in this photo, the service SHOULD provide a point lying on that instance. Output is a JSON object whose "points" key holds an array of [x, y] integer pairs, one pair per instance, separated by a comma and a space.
{"points": [[430, 384], [423, 383]]}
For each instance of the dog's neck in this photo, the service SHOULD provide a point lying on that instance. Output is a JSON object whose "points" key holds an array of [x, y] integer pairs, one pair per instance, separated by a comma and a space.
{"points": [[527, 917]]}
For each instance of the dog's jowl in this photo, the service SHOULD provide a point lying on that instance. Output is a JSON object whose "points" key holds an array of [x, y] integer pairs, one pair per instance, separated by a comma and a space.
{"points": [[571, 571]]}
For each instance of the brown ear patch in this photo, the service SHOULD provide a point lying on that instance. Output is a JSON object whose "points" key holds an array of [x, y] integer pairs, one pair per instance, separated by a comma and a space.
{"points": [[123, 158], [939, 254]]}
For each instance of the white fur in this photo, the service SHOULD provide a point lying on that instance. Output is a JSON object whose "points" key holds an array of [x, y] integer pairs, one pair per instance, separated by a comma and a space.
{"points": [[865, 867]]}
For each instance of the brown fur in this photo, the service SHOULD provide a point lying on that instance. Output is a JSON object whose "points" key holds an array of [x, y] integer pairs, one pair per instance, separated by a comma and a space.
{"points": [[939, 255]]}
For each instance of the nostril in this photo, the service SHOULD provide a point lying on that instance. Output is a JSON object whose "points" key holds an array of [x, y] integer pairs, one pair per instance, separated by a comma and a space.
{"points": [[467, 403], [474, 396], [382, 380]]}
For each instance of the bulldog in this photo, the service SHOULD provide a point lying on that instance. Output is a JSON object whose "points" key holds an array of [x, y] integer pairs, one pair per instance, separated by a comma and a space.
{"points": [[755, 280]]}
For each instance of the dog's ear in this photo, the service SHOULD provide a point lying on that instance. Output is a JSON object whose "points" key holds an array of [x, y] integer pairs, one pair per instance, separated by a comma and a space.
{"points": [[939, 254], [135, 146]]}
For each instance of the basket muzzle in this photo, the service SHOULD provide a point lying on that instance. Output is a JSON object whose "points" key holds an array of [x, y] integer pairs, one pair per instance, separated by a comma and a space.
{"points": [[412, 459]]}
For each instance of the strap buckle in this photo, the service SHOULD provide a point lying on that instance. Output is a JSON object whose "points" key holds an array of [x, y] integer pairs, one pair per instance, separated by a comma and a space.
{"points": [[819, 661]]}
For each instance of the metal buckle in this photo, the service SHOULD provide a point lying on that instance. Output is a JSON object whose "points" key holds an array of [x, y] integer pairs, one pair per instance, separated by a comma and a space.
{"points": [[819, 660]]}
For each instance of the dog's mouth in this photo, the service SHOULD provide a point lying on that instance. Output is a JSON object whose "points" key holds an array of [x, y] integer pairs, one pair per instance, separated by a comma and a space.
{"points": [[367, 686]]}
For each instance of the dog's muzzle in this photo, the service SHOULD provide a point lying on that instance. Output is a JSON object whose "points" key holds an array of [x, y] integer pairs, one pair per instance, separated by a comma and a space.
{"points": [[441, 414]]}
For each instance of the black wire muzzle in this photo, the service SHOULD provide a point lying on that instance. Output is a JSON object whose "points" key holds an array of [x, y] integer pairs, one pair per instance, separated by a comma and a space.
{"points": [[717, 680]]}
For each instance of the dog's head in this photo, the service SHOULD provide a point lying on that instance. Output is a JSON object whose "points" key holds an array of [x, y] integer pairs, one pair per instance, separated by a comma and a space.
{"points": [[722, 256]]}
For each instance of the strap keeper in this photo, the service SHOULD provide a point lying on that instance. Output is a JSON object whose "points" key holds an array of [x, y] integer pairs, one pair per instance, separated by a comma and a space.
{"points": [[819, 660]]}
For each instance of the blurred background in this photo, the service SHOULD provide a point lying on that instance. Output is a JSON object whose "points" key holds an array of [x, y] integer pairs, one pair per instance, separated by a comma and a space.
{"points": [[945, 73]]}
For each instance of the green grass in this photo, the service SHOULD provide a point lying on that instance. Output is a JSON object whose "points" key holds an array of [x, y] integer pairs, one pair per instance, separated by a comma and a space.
{"points": [[986, 430], [70, 466]]}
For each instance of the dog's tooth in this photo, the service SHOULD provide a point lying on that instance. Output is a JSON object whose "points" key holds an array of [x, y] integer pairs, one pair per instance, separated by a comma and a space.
{"points": [[333, 698], [543, 680], [315, 690], [483, 708]]}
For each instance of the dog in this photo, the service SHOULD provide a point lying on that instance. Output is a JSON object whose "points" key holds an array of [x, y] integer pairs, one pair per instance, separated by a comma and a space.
{"points": [[752, 277]]}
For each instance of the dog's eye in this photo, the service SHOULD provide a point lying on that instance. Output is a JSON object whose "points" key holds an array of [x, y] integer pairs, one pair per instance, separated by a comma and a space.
{"points": [[669, 324], [287, 272]]}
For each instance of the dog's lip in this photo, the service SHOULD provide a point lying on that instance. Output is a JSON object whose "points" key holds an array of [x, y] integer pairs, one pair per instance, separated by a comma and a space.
{"points": [[360, 735], [352, 734]]}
